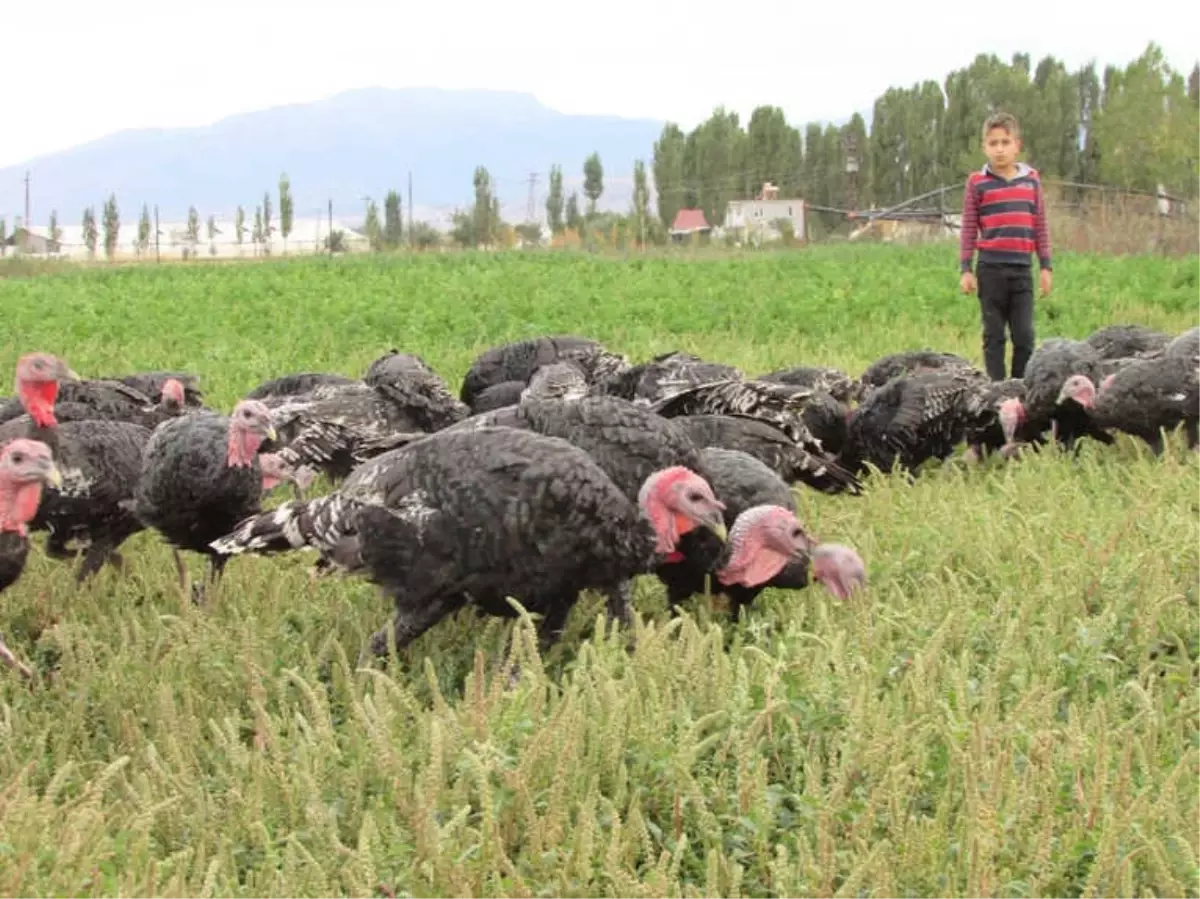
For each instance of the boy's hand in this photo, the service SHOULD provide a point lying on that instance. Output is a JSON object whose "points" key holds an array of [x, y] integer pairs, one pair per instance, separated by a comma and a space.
{"points": [[1044, 281], [967, 282]]}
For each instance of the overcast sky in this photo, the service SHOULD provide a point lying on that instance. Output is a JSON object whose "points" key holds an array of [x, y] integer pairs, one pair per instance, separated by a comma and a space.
{"points": [[86, 69]]}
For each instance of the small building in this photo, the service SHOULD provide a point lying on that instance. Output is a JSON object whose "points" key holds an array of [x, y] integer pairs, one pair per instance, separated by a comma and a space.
{"points": [[24, 240], [758, 219], [688, 222]]}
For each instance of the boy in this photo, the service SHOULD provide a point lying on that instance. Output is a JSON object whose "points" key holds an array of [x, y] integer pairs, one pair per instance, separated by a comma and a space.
{"points": [[1004, 217]]}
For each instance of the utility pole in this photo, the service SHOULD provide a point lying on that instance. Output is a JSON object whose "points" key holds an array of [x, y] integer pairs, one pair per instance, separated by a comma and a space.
{"points": [[410, 219], [28, 220], [531, 210], [850, 146], [157, 257]]}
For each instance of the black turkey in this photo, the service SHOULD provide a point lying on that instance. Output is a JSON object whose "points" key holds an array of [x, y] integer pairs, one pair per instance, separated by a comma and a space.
{"points": [[517, 361], [1145, 399], [26, 466], [99, 462], [200, 476], [771, 548], [477, 515]]}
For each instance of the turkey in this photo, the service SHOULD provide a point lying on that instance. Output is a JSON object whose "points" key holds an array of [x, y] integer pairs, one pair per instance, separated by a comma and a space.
{"points": [[25, 467], [1186, 344], [1119, 341], [1145, 399], [1047, 404], [297, 384], [518, 360], [477, 515], [153, 383], [200, 476], [911, 362], [96, 400], [912, 419], [783, 406], [664, 376], [767, 546], [769, 445], [409, 383], [833, 381], [497, 396], [996, 419], [99, 462], [338, 426]]}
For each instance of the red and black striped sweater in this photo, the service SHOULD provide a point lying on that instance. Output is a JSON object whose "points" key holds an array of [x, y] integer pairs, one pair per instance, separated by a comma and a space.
{"points": [[1005, 220]]}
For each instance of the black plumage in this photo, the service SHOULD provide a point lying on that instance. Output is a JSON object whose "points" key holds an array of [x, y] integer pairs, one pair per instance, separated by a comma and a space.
{"points": [[506, 393], [986, 409], [770, 446], [151, 384], [664, 376], [26, 468], [99, 461], [1118, 341], [784, 406], [475, 515], [1150, 397], [910, 362], [910, 420], [409, 383], [1186, 344], [742, 482], [834, 381], [518, 360], [297, 384], [1045, 406], [200, 476]]}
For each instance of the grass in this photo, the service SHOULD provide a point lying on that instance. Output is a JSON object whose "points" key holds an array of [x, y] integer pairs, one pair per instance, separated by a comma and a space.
{"points": [[1011, 709]]}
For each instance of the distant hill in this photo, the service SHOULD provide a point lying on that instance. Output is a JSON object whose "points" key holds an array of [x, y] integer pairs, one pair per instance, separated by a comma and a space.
{"points": [[355, 144]]}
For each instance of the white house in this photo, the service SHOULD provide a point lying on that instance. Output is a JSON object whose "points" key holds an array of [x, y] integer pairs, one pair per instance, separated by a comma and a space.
{"points": [[756, 219]]}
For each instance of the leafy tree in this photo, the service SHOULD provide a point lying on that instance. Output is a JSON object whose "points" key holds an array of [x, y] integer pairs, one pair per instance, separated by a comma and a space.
{"points": [[393, 220], [55, 233], [668, 166], [487, 209], [593, 181], [257, 234], [574, 219], [239, 226], [267, 228], [424, 236], [641, 198], [285, 208], [554, 201], [90, 234], [3, 236], [193, 229], [143, 232], [112, 226], [372, 229], [213, 231]]}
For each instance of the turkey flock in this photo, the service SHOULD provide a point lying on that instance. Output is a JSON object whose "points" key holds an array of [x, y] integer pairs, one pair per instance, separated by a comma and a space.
{"points": [[559, 467]]}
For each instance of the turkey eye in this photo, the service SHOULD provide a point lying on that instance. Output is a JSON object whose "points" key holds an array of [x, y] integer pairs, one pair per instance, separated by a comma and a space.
{"points": [[694, 497], [18, 458]]}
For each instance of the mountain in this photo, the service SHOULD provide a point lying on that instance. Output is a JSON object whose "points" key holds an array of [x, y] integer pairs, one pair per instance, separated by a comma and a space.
{"points": [[355, 144]]}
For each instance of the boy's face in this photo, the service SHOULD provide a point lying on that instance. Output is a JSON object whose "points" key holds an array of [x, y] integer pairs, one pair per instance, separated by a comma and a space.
{"points": [[1001, 148]]}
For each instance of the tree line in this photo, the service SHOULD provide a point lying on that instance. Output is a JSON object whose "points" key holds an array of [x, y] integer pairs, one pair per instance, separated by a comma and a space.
{"points": [[1133, 128]]}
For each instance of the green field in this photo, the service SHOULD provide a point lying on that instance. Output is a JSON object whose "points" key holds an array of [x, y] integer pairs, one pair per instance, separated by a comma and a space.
{"points": [[1009, 709]]}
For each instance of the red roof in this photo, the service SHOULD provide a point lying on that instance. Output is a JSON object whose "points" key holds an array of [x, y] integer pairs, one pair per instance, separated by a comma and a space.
{"points": [[690, 220]]}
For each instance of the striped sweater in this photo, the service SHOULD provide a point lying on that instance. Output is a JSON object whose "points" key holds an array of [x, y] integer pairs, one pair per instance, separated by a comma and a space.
{"points": [[1004, 220]]}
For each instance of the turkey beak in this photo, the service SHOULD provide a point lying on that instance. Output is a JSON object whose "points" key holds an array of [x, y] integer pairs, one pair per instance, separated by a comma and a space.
{"points": [[68, 374], [715, 522], [271, 434], [51, 474]]}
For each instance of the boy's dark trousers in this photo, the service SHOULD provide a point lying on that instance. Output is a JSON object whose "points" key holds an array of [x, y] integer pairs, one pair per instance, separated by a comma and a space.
{"points": [[1005, 298]]}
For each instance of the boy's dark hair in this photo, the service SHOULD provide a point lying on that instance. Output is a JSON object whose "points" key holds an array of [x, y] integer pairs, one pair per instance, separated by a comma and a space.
{"points": [[1005, 120]]}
